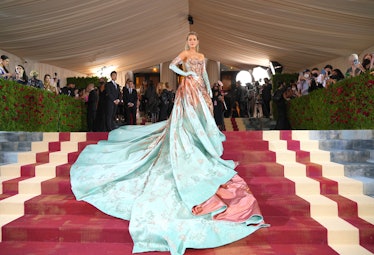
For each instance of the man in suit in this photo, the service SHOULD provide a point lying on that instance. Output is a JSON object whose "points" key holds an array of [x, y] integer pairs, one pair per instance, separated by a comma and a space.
{"points": [[112, 100], [91, 107], [130, 100]]}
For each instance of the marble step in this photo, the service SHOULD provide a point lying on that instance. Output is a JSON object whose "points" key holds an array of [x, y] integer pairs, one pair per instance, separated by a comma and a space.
{"points": [[13, 142], [259, 123], [359, 169], [15, 146], [350, 156], [368, 184], [8, 157], [342, 134], [347, 144], [20, 136]]}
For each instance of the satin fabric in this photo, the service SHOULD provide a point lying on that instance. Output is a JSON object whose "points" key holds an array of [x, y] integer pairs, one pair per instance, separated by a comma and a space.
{"points": [[168, 179]]}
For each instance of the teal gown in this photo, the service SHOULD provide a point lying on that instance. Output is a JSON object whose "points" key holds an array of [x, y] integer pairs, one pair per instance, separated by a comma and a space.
{"points": [[168, 179]]}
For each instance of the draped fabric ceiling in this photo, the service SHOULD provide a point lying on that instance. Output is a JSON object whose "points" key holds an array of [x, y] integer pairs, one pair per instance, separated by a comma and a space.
{"points": [[85, 35]]}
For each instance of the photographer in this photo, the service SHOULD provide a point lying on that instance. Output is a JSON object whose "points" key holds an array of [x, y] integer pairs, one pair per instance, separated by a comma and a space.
{"points": [[218, 107], [304, 82], [356, 67], [4, 63]]}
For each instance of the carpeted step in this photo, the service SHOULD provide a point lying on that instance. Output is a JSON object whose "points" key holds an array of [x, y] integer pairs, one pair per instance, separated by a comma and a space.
{"points": [[60, 204], [67, 228], [61, 185], [348, 211], [63, 170], [282, 174], [251, 169], [58, 185], [269, 185], [242, 247], [257, 145], [88, 228], [282, 205], [66, 248], [240, 135], [246, 156]]}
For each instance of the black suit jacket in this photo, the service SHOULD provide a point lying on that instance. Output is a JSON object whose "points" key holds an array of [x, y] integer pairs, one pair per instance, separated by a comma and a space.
{"points": [[111, 92], [129, 98]]}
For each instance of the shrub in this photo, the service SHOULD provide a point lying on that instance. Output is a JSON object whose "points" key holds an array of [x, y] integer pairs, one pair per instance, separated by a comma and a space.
{"points": [[29, 109], [348, 104]]}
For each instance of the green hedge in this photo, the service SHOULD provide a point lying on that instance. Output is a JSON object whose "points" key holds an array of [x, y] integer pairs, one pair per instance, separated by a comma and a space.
{"points": [[29, 109], [82, 82], [348, 104], [285, 77]]}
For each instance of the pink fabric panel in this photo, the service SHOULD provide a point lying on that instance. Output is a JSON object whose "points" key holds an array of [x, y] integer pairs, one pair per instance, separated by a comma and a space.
{"points": [[236, 196]]}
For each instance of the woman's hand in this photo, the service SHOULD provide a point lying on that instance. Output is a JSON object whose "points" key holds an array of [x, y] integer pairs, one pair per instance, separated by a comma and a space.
{"points": [[191, 74]]}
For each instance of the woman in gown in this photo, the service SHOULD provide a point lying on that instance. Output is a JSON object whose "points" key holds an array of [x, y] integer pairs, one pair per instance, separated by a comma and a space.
{"points": [[167, 178]]}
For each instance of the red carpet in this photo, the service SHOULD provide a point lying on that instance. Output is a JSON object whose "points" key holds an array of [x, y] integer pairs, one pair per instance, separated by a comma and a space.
{"points": [[55, 223]]}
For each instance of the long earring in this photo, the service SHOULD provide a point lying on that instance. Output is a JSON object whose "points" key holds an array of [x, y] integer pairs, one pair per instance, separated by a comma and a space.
{"points": [[186, 47]]}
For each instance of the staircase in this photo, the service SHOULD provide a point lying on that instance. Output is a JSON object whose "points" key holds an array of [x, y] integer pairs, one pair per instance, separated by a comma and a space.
{"points": [[313, 208], [355, 150], [13, 142], [242, 124]]}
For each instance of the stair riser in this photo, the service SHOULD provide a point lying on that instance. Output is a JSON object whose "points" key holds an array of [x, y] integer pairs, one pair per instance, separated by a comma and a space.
{"points": [[347, 145], [258, 169], [270, 206], [359, 170], [15, 146], [63, 186], [8, 157], [342, 134], [250, 156], [251, 145], [255, 162], [69, 233], [20, 136], [350, 156]]}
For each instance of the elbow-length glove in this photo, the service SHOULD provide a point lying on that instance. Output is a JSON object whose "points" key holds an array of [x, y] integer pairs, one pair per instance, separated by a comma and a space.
{"points": [[207, 83], [173, 66]]}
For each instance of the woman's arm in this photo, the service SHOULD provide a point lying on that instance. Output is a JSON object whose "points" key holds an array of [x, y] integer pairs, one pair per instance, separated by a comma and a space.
{"points": [[206, 81], [177, 61]]}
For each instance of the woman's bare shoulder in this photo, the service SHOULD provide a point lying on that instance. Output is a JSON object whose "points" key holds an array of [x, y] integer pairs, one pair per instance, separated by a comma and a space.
{"points": [[184, 55], [201, 56]]}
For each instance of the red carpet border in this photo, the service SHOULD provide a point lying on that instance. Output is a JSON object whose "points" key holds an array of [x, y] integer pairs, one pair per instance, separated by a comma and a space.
{"points": [[311, 206]]}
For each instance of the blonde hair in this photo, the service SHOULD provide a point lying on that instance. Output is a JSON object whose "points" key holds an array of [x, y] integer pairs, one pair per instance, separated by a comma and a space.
{"points": [[186, 47], [353, 56], [160, 87]]}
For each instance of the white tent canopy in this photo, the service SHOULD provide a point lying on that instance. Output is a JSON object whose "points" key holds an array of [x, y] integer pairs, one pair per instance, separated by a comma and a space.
{"points": [[84, 35]]}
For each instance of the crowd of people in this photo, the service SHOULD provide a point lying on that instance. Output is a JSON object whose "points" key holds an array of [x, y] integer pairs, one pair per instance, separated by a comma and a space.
{"points": [[109, 105], [311, 80], [254, 100]]}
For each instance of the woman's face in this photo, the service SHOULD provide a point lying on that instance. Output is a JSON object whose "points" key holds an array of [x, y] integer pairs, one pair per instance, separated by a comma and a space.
{"points": [[47, 79], [19, 70], [192, 41], [5, 62]]}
